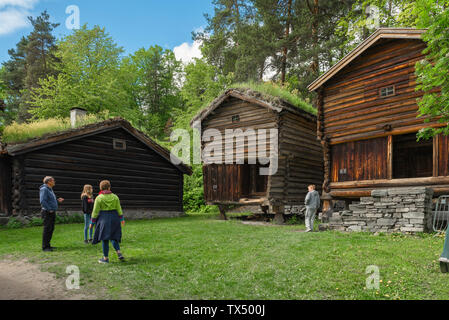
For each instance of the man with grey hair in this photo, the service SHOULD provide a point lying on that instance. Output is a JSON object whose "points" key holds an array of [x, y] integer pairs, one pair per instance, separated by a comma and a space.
{"points": [[313, 203], [49, 205]]}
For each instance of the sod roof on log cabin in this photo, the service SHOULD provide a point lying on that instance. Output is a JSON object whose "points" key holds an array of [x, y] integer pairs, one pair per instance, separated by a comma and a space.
{"points": [[273, 102], [51, 139]]}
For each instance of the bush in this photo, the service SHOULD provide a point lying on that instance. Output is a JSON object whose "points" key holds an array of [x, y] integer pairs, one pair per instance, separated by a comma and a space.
{"points": [[295, 220], [194, 193], [36, 222], [75, 218], [13, 223]]}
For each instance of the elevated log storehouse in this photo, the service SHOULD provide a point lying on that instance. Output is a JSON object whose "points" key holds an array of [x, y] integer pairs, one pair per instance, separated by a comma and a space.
{"points": [[367, 120], [240, 182]]}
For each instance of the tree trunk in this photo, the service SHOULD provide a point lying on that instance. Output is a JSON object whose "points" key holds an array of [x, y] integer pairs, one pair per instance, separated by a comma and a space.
{"points": [[285, 50]]}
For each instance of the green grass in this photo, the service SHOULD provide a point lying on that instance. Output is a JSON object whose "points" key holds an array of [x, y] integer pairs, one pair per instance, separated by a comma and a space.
{"points": [[199, 257], [23, 132], [268, 89]]}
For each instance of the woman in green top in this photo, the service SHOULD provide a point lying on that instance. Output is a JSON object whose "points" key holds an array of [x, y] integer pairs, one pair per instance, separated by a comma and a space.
{"points": [[107, 215]]}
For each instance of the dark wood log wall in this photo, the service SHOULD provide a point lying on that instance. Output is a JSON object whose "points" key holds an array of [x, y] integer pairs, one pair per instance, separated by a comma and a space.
{"points": [[352, 107], [140, 177], [228, 179], [5, 186], [303, 156], [300, 154], [223, 183], [251, 116], [359, 160]]}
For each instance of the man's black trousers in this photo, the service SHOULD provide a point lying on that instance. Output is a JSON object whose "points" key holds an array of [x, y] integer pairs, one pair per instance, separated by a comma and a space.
{"points": [[49, 226]]}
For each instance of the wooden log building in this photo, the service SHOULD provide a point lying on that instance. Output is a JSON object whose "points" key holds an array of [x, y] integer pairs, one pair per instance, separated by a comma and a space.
{"points": [[298, 151], [139, 169], [367, 120]]}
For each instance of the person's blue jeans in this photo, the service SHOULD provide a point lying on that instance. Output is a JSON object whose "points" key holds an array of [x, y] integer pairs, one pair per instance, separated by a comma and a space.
{"points": [[105, 243], [87, 219]]}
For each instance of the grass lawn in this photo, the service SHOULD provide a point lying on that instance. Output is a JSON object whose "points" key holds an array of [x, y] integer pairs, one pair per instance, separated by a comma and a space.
{"points": [[199, 257]]}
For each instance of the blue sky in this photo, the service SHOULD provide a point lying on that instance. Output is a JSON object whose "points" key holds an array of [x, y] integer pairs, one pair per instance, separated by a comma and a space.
{"points": [[133, 24]]}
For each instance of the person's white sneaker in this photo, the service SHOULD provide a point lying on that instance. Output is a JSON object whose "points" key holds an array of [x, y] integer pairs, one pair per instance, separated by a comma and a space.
{"points": [[445, 260]]}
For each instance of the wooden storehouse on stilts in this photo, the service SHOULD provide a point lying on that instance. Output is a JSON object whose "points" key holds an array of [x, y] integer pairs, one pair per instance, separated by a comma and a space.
{"points": [[295, 153], [368, 124]]}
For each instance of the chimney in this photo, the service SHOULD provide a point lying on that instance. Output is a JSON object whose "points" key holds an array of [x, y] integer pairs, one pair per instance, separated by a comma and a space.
{"points": [[76, 114]]}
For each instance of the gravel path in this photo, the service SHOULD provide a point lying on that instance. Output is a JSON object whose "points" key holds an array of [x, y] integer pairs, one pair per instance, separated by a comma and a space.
{"points": [[21, 280]]}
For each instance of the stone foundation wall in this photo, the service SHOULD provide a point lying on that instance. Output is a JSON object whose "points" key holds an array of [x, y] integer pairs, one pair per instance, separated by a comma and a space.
{"points": [[293, 209], [390, 210]]}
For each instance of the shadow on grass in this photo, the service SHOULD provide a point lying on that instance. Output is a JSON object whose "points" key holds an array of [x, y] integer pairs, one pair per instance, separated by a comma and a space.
{"points": [[130, 261]]}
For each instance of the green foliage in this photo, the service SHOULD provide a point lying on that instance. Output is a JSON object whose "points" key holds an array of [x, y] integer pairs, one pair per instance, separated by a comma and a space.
{"points": [[359, 23], [432, 72], [194, 193], [36, 222], [259, 39], [89, 77], [154, 73], [14, 223], [19, 133], [69, 219]]}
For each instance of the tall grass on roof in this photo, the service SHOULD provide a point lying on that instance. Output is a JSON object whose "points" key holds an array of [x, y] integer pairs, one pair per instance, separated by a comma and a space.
{"points": [[275, 90], [23, 132]]}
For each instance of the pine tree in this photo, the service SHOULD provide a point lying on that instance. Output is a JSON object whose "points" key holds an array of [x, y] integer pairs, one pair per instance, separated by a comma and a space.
{"points": [[40, 58], [13, 78]]}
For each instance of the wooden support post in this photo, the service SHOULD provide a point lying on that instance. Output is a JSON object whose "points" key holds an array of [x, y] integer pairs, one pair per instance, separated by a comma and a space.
{"points": [[436, 156], [328, 208], [390, 158], [279, 217], [222, 209]]}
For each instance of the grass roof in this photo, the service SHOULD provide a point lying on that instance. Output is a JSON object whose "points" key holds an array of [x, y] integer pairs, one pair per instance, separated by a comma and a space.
{"points": [[272, 89], [17, 133]]}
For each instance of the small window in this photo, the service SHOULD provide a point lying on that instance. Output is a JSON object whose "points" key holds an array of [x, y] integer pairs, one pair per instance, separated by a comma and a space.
{"points": [[235, 119], [119, 144], [387, 92]]}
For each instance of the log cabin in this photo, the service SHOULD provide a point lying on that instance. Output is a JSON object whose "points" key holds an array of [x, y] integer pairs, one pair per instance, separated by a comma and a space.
{"points": [[140, 171], [367, 121], [294, 151]]}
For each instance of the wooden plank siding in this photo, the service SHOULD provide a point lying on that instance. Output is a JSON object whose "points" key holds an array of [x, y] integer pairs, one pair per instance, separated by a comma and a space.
{"points": [[251, 117], [139, 176], [352, 107], [303, 156], [5, 185], [360, 160]]}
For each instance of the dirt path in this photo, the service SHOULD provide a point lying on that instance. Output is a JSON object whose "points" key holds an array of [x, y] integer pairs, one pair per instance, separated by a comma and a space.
{"points": [[21, 280]]}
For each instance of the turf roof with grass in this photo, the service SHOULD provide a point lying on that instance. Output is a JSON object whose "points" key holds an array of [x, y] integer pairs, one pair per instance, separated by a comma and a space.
{"points": [[17, 133], [269, 90], [271, 93]]}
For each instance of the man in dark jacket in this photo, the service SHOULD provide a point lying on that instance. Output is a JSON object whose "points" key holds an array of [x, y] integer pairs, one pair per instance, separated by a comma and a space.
{"points": [[49, 205]]}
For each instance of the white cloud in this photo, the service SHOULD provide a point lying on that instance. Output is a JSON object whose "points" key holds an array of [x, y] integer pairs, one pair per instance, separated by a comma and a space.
{"points": [[27, 4], [186, 52], [13, 14]]}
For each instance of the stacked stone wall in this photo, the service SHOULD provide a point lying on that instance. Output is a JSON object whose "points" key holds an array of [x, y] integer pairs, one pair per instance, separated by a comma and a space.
{"points": [[391, 210]]}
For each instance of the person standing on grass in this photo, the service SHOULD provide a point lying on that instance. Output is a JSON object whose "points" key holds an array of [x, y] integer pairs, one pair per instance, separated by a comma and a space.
{"points": [[108, 217], [87, 199], [313, 203], [49, 205]]}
